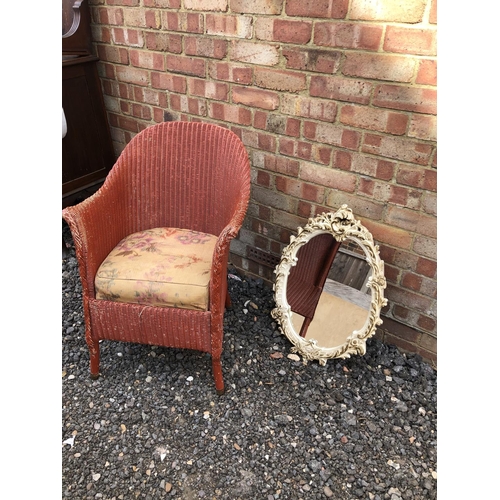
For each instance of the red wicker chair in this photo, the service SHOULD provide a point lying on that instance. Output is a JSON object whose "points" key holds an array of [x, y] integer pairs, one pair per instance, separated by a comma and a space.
{"points": [[172, 175]]}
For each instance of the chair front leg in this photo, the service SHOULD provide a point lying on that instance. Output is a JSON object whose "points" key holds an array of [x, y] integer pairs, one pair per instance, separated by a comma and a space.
{"points": [[217, 371]]}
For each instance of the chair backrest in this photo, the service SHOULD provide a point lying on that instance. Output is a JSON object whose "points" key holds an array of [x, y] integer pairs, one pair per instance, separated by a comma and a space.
{"points": [[183, 174]]}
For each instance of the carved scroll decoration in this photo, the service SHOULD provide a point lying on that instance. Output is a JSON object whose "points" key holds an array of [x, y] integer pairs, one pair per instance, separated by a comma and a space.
{"points": [[342, 226], [76, 19]]}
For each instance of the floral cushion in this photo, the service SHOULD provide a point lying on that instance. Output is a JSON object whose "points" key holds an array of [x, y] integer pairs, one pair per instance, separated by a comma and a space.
{"points": [[164, 267]]}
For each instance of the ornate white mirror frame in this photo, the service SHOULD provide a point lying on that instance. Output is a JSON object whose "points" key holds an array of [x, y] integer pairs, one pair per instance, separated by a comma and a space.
{"points": [[342, 226]]}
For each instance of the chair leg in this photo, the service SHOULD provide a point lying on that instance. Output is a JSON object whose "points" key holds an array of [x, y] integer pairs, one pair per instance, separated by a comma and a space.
{"points": [[228, 303], [94, 361], [217, 371]]}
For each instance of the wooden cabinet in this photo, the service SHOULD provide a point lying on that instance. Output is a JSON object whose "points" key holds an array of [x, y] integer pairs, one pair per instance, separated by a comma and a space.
{"points": [[87, 149]]}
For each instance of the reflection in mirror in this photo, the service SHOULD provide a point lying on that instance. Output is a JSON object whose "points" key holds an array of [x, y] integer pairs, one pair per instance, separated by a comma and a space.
{"points": [[344, 301], [329, 287]]}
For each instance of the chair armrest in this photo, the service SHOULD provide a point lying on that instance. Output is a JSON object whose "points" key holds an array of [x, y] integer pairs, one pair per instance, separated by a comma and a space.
{"points": [[97, 224]]}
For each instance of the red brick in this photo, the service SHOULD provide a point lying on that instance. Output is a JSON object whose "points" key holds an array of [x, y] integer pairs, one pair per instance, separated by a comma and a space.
{"points": [[409, 11], [134, 18], [411, 176], [132, 75], [230, 72], [256, 98], [334, 9], [141, 111], [328, 177], [400, 312], [391, 273], [128, 37], [128, 124], [280, 80], [260, 120], [379, 67], [113, 54], [109, 15], [413, 301], [101, 34], [188, 105], [332, 134], [374, 119], [305, 209], [426, 267], [185, 65], [254, 53], [430, 180], [229, 26], [362, 207], [234, 114], [146, 95], [421, 100], [429, 203], [257, 6], [319, 61], [410, 41], [153, 19], [165, 42], [348, 35], [433, 12], [283, 30], [269, 198], [342, 160], [411, 281], [386, 234], [292, 127], [166, 81], [265, 213], [308, 108], [397, 147], [288, 147], [266, 142], [423, 127], [411, 221], [341, 89], [205, 47], [208, 89], [128, 3], [427, 72], [164, 4], [209, 5], [125, 107], [186, 22], [263, 178], [282, 165], [106, 70], [148, 60], [425, 246], [426, 323], [298, 189]]}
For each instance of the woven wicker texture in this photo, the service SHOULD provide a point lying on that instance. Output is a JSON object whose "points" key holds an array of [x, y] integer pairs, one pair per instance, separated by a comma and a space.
{"points": [[307, 277], [176, 174]]}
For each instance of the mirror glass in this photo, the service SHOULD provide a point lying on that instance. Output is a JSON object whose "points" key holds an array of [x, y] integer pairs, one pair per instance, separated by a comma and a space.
{"points": [[329, 287]]}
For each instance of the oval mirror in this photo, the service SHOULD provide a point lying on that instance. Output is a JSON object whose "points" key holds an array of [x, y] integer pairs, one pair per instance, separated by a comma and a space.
{"points": [[329, 287]]}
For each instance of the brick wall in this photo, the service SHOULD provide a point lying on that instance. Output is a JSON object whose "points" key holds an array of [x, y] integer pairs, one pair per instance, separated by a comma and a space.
{"points": [[335, 101]]}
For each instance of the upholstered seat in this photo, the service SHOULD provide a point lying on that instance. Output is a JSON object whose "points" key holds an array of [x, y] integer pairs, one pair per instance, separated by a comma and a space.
{"points": [[153, 242], [163, 267]]}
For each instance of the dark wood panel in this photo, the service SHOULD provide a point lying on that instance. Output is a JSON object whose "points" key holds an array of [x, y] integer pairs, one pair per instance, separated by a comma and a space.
{"points": [[87, 151]]}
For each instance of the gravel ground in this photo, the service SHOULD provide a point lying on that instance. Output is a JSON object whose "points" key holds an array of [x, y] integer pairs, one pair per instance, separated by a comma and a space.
{"points": [[152, 426]]}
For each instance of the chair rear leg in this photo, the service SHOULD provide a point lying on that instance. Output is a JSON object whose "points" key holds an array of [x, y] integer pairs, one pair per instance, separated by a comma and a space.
{"points": [[217, 371]]}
